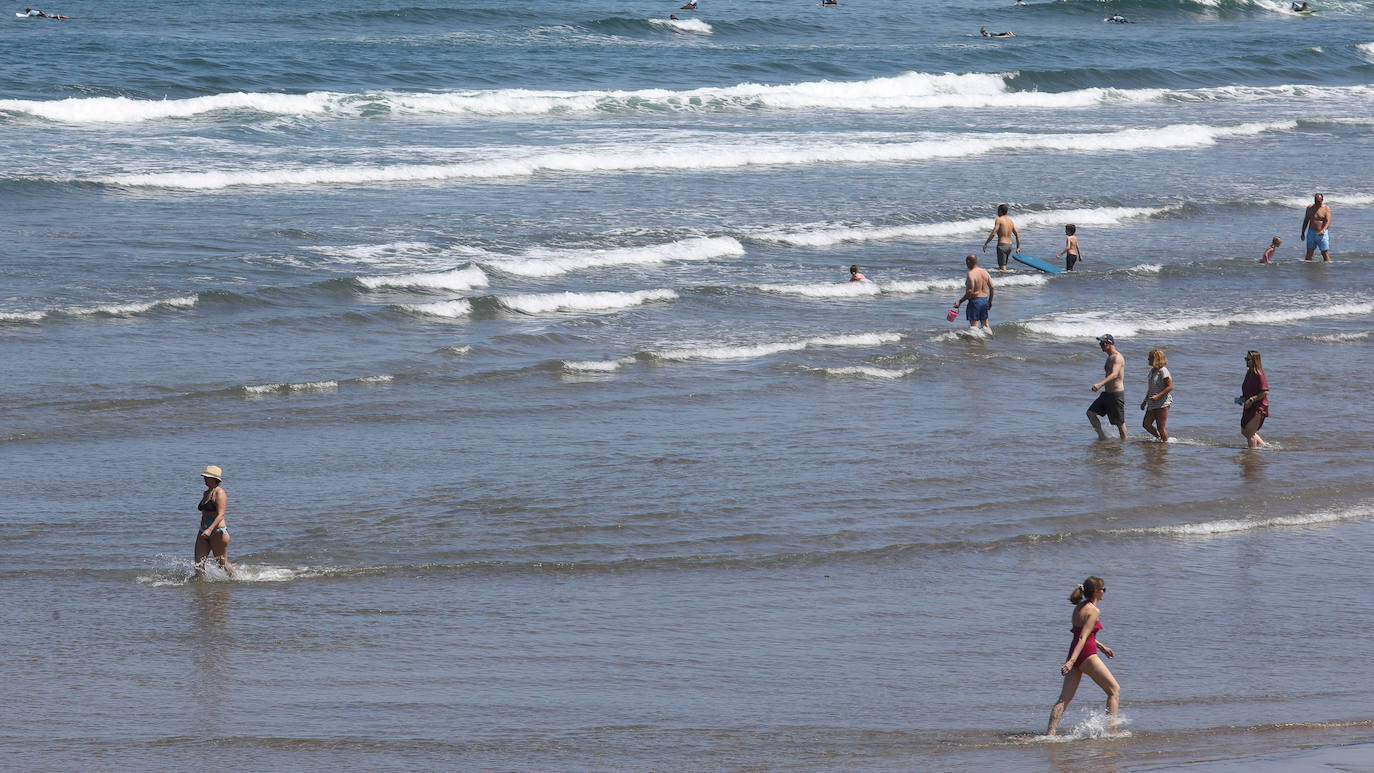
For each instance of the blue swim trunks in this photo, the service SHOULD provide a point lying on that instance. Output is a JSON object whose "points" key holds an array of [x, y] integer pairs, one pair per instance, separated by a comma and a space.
{"points": [[978, 309], [1318, 241]]}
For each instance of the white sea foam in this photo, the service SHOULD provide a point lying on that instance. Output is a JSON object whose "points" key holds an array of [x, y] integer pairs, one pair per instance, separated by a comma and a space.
{"points": [[374, 253], [1087, 325], [596, 366], [897, 287], [458, 280], [22, 316], [1367, 49], [623, 157], [1146, 268], [1232, 526], [305, 386], [456, 351], [1340, 338], [545, 262], [180, 572], [1334, 199], [450, 309], [868, 371], [823, 289], [823, 235], [382, 379], [544, 303], [904, 92], [127, 309], [753, 351], [684, 25]]}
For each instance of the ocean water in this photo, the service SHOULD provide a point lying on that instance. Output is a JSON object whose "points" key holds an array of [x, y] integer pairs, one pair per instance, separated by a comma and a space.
{"points": [[554, 438]]}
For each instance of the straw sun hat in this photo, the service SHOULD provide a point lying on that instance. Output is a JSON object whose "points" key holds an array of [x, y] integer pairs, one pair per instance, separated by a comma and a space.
{"points": [[213, 471]]}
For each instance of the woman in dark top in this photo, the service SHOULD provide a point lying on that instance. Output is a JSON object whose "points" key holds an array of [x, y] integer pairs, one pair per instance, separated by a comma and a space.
{"points": [[214, 532], [1254, 399]]}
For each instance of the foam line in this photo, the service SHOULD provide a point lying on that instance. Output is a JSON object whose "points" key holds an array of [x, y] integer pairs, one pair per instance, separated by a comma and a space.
{"points": [[544, 262], [456, 280], [1086, 325], [753, 351], [825, 235], [907, 91], [544, 303], [798, 151]]}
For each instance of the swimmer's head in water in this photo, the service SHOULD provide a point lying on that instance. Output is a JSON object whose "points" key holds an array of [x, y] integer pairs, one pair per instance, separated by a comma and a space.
{"points": [[854, 269]]}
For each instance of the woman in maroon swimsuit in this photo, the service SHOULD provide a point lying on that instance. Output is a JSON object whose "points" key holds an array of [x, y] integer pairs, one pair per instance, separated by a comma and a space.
{"points": [[1254, 400], [1083, 651]]}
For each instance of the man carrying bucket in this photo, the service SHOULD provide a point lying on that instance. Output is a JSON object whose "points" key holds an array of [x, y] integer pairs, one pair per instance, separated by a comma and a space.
{"points": [[978, 293]]}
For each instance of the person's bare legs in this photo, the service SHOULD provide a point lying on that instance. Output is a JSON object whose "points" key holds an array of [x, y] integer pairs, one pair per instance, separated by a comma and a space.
{"points": [[219, 543], [1097, 425], [1161, 419], [1121, 428], [1251, 432], [202, 550], [1310, 250], [1148, 424], [1098, 671], [1326, 255], [1065, 695]]}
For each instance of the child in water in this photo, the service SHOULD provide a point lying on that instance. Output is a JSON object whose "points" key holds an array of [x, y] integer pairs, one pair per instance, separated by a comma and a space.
{"points": [[1269, 253], [855, 276], [1070, 253]]}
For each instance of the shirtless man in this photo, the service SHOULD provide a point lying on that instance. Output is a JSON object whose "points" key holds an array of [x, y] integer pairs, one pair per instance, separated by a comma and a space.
{"points": [[1112, 400], [978, 292], [1005, 231], [1314, 225]]}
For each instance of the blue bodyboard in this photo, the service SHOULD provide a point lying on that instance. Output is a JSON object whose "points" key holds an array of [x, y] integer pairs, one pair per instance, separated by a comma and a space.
{"points": [[1037, 264]]}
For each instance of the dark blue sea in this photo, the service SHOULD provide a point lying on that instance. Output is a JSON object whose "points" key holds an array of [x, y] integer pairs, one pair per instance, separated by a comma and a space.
{"points": [[555, 439]]}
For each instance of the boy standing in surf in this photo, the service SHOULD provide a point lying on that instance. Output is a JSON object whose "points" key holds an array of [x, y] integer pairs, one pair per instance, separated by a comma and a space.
{"points": [[1112, 400], [978, 292], [1005, 231], [1071, 253]]}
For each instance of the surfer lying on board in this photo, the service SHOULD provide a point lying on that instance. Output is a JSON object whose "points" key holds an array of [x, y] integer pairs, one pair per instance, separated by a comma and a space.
{"points": [[40, 15], [1118, 19], [1299, 7], [978, 293], [692, 6], [984, 32]]}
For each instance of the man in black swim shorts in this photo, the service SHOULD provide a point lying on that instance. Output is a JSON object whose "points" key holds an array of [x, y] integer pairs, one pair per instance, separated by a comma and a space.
{"points": [[1112, 400]]}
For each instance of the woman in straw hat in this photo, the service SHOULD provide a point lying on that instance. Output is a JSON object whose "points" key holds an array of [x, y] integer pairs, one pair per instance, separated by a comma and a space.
{"points": [[214, 533]]}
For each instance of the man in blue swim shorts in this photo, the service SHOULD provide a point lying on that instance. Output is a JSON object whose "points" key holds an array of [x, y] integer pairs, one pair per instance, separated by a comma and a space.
{"points": [[978, 292], [1314, 225]]}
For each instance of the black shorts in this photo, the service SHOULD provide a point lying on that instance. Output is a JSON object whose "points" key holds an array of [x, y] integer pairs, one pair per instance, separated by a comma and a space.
{"points": [[1112, 405], [1003, 253]]}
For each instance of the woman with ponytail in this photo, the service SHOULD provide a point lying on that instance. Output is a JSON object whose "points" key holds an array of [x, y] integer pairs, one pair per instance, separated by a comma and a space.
{"points": [[1083, 658]]}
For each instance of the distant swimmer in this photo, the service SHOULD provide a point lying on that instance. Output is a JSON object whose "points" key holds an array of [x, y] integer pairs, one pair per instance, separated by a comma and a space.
{"points": [[855, 276], [1020, 2], [1118, 19], [214, 532], [1314, 225], [1300, 8], [673, 17], [37, 14], [830, 2], [692, 6], [1268, 256], [1083, 651], [1111, 401], [978, 291], [1005, 231], [984, 32]]}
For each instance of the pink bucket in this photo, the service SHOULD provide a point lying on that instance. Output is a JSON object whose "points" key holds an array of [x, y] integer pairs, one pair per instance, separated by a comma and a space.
{"points": [[951, 315]]}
